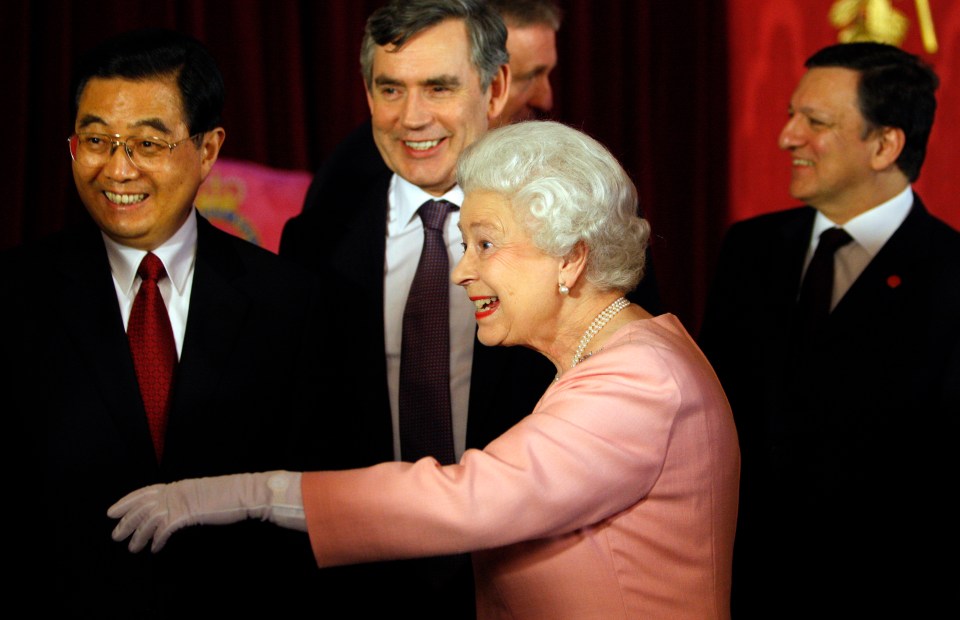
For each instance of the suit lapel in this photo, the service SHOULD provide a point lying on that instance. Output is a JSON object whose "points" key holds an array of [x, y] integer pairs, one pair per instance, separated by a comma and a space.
{"points": [[793, 240], [217, 312], [91, 317], [882, 285], [360, 256]]}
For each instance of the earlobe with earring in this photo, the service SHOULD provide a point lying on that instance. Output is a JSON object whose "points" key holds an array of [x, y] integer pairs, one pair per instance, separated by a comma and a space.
{"points": [[564, 289]]}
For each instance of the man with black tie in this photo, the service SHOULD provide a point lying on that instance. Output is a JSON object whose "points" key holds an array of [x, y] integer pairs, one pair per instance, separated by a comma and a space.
{"points": [[835, 330], [147, 346], [437, 75]]}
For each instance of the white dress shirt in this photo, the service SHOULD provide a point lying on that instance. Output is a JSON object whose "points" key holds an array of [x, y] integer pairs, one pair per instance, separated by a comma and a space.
{"points": [[178, 254], [404, 245], [870, 231]]}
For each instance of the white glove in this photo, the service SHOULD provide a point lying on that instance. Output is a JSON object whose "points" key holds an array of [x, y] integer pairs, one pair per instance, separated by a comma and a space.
{"points": [[160, 510]]}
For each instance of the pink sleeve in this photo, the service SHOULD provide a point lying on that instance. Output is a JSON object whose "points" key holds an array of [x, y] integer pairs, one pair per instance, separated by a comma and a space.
{"points": [[594, 446]]}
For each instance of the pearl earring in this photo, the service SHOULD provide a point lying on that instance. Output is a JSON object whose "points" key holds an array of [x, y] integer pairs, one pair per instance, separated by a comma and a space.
{"points": [[564, 289]]}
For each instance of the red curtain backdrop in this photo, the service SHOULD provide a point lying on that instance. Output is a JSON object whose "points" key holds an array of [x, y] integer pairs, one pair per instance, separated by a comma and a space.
{"points": [[769, 42], [690, 95], [646, 78]]}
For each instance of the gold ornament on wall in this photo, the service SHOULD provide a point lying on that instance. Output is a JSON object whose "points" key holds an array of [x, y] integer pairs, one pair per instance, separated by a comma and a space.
{"points": [[878, 20]]}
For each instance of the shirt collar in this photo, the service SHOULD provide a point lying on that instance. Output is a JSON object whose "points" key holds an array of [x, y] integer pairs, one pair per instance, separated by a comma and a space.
{"points": [[406, 198], [177, 254], [874, 227]]}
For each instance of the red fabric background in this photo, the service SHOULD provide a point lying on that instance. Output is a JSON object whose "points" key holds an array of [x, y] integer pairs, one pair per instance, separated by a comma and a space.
{"points": [[690, 95], [768, 43]]}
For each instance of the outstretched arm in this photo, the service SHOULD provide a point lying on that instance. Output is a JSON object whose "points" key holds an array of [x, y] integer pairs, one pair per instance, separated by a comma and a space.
{"points": [[159, 510]]}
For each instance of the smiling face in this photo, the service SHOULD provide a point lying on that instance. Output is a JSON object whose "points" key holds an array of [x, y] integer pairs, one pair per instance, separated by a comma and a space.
{"points": [[136, 208], [533, 55], [832, 154], [427, 104], [512, 283]]}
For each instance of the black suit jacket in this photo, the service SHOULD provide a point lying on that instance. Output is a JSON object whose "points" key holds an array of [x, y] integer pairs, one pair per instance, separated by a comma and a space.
{"points": [[245, 399], [844, 435], [341, 234]]}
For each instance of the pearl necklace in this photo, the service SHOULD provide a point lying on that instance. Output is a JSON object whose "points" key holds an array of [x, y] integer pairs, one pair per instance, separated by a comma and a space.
{"points": [[598, 323]]}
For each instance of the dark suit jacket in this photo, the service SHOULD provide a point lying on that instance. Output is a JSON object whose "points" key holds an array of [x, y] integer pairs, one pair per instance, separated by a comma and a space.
{"points": [[245, 399], [844, 468], [341, 234]]}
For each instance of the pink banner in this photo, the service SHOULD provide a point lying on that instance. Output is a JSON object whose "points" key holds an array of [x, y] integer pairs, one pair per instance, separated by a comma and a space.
{"points": [[252, 201]]}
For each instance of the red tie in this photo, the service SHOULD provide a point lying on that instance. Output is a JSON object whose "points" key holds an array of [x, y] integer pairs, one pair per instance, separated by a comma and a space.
{"points": [[153, 349]]}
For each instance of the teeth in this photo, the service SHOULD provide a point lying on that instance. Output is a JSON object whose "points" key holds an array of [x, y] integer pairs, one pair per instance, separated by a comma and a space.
{"points": [[481, 304], [423, 145], [124, 199], [802, 162]]}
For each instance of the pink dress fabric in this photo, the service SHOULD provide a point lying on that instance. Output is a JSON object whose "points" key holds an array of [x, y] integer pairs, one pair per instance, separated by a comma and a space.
{"points": [[615, 498]]}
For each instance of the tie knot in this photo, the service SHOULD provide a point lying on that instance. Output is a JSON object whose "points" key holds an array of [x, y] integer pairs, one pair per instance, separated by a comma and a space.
{"points": [[833, 239], [151, 268], [433, 213]]}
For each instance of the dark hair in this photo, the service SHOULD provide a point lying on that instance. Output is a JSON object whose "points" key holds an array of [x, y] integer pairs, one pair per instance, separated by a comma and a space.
{"points": [[523, 13], [896, 89], [155, 53], [399, 20]]}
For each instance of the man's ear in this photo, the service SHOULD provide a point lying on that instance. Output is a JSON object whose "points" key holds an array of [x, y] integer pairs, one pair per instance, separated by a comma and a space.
{"points": [[499, 89], [889, 144], [210, 150]]}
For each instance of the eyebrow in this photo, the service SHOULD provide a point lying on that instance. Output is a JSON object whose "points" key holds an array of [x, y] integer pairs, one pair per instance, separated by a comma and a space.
{"points": [[535, 72], [811, 111], [482, 225], [153, 123], [448, 81]]}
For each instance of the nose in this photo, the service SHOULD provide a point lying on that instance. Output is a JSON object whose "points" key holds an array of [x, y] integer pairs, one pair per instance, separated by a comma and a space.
{"points": [[119, 165], [542, 97], [415, 112], [461, 274], [790, 136]]}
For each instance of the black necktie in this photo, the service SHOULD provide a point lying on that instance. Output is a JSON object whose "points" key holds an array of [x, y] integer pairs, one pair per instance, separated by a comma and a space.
{"points": [[816, 293], [154, 351], [426, 428]]}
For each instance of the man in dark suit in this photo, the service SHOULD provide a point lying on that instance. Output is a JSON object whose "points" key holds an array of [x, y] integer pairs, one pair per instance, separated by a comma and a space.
{"points": [[844, 413], [244, 324], [430, 95]]}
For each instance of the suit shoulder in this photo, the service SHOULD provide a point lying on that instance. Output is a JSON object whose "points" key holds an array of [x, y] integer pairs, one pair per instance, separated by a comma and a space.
{"points": [[767, 232], [37, 255], [256, 260], [773, 220], [944, 236]]}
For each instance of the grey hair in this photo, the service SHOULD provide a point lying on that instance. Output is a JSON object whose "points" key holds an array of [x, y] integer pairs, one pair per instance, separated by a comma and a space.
{"points": [[399, 20], [525, 13], [566, 188]]}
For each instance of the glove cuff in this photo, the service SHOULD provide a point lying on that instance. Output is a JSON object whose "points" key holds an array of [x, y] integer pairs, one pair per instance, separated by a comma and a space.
{"points": [[286, 500]]}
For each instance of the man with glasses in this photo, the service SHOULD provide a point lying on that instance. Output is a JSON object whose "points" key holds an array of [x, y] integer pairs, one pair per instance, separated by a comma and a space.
{"points": [[235, 327]]}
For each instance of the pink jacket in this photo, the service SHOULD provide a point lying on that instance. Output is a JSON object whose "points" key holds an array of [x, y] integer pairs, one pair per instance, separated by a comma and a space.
{"points": [[615, 498]]}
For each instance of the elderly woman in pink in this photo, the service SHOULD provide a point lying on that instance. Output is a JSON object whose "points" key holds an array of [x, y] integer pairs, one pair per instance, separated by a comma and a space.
{"points": [[616, 497]]}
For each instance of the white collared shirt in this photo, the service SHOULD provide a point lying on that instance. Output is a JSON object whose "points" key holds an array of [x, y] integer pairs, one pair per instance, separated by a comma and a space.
{"points": [[178, 254], [404, 245], [870, 231]]}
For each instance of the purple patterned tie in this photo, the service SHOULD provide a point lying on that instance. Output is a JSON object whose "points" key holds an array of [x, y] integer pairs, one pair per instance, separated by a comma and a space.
{"points": [[426, 428], [153, 349]]}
